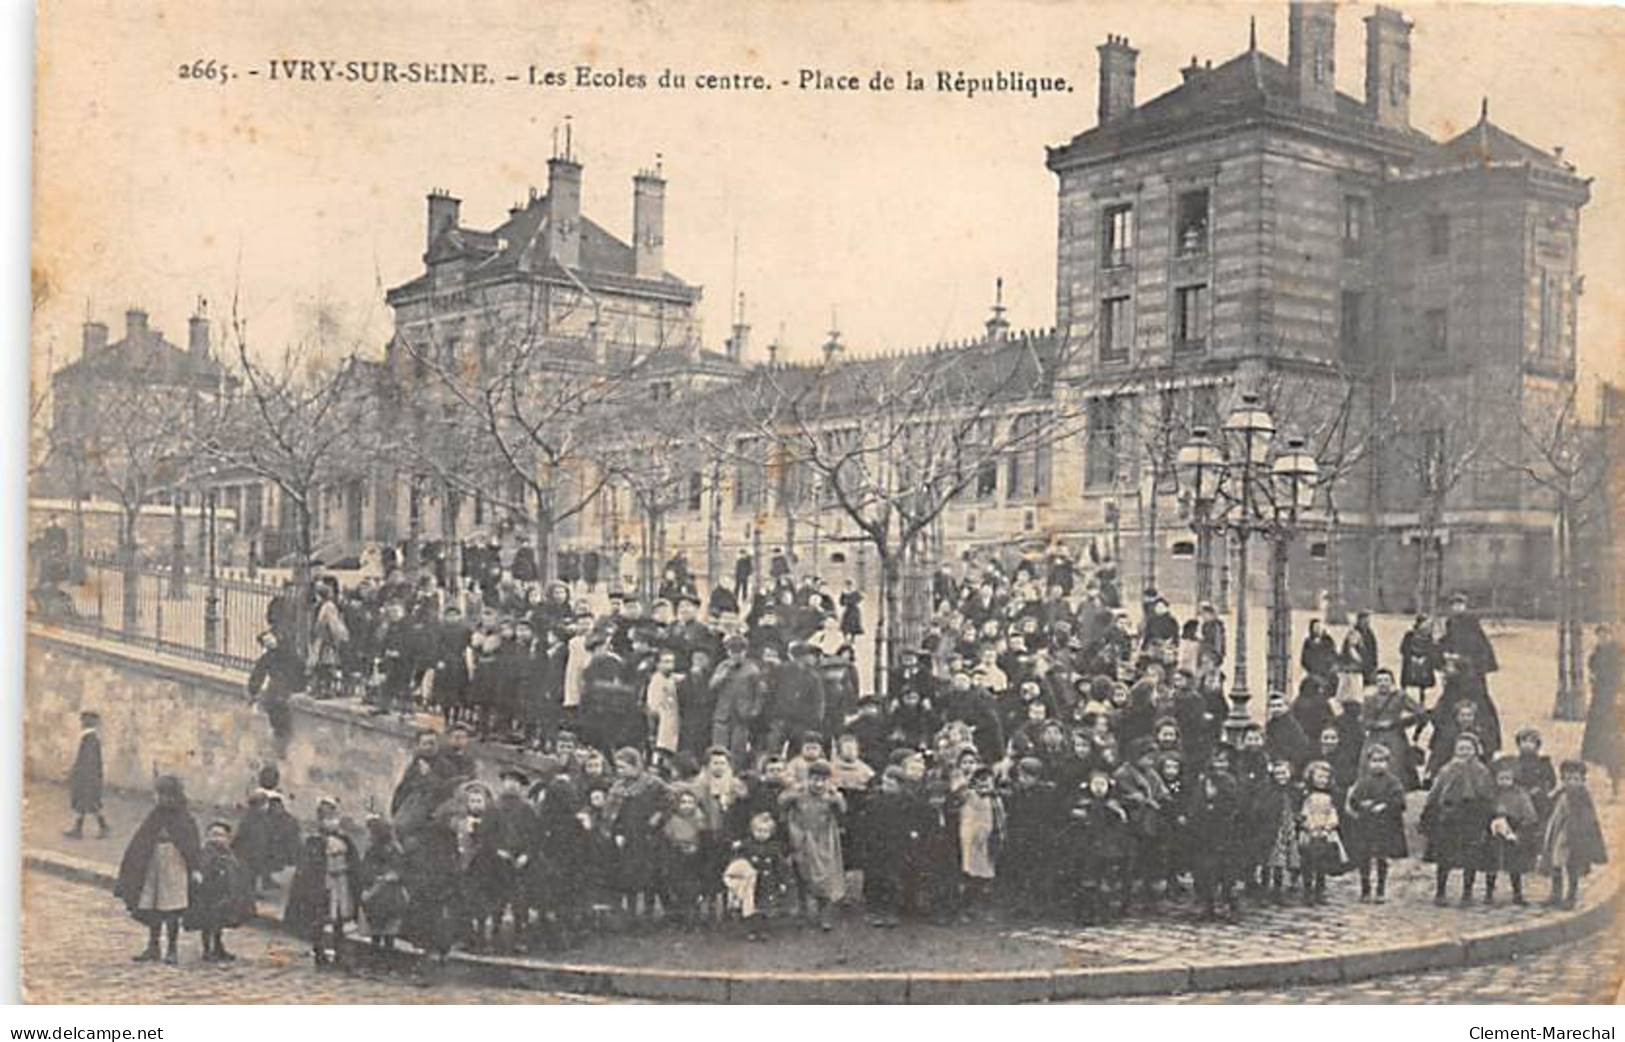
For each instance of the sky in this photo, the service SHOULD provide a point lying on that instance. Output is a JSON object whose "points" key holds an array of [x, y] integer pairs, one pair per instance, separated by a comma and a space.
{"points": [[890, 214]]}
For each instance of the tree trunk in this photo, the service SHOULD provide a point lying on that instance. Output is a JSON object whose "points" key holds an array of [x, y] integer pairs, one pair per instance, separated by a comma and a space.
{"points": [[130, 592], [1148, 553], [713, 530], [413, 556], [886, 632], [1570, 694], [301, 581], [544, 537], [177, 557], [452, 551], [1336, 606]]}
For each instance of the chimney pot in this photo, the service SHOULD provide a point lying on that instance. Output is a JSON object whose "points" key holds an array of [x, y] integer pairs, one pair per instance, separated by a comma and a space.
{"points": [[564, 210], [443, 214], [1388, 68], [197, 333], [1117, 61], [95, 338], [1312, 52], [135, 325], [648, 224]]}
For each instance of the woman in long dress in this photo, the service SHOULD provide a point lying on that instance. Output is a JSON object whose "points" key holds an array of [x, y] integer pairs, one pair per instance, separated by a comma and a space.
{"points": [[1601, 744], [160, 866]]}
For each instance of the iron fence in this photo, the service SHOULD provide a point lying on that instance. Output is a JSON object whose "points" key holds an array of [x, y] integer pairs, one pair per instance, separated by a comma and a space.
{"points": [[216, 620]]}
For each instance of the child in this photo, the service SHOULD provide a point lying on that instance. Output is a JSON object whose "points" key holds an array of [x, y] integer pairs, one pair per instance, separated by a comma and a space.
{"points": [[684, 835], [812, 816], [660, 705], [1534, 772], [325, 885], [1277, 815], [430, 873], [1512, 843], [1318, 837], [488, 878], [162, 859], [1283, 734], [517, 843], [85, 779], [1099, 838], [1374, 822], [811, 752], [383, 896], [887, 829], [223, 898], [1456, 817], [758, 877], [981, 833], [1574, 840], [1214, 817], [1142, 792]]}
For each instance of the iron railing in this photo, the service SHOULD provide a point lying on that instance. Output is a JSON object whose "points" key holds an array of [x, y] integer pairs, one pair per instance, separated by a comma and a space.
{"points": [[216, 620]]}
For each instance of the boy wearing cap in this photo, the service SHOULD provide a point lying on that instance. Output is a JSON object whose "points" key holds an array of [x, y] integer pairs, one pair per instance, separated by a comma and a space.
{"points": [[223, 898], [813, 820], [737, 685], [85, 779], [326, 885]]}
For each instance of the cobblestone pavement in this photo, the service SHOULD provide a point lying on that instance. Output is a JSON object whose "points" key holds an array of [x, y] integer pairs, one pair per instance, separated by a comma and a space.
{"points": [[79, 951], [1587, 971], [1172, 934]]}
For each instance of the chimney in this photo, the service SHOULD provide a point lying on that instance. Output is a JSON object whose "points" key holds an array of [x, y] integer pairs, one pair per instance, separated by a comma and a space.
{"points": [[649, 223], [197, 330], [1116, 78], [1388, 68], [1312, 53], [1191, 71], [443, 212], [95, 338], [564, 210], [135, 326]]}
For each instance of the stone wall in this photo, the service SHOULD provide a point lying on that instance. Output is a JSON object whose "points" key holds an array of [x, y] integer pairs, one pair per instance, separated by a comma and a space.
{"points": [[165, 715]]}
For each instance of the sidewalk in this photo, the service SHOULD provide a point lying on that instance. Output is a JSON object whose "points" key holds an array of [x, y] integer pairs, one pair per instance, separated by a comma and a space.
{"points": [[994, 961]]}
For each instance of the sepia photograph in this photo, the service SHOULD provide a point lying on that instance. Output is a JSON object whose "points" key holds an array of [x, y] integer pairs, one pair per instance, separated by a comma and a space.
{"points": [[1012, 501]]}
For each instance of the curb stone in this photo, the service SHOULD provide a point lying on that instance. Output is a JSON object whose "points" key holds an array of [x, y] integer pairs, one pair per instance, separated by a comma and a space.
{"points": [[1003, 986]]}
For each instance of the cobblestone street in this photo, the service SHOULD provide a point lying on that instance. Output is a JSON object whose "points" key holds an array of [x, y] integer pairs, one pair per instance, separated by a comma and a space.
{"points": [[80, 952], [77, 948]]}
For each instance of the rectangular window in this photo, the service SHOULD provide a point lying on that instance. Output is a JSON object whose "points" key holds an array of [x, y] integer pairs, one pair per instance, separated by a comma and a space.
{"points": [[1114, 329], [352, 511], [1190, 318], [1205, 408], [1551, 312], [660, 391], [696, 491], [1438, 235], [1355, 219], [479, 508], [1190, 233], [1117, 240], [1437, 331], [1027, 464], [748, 476], [1101, 457], [1351, 329]]}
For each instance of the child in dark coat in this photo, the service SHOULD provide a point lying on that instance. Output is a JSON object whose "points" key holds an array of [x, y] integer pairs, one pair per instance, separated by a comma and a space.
{"points": [[223, 898], [1574, 840], [383, 894], [1534, 773], [1276, 819], [1098, 838], [85, 779], [683, 856], [1214, 814], [1374, 821], [1514, 839], [326, 885], [161, 864], [1456, 817], [758, 877]]}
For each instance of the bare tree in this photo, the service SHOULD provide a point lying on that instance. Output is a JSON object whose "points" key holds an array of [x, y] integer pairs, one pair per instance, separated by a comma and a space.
{"points": [[894, 440], [303, 423], [1441, 439], [513, 413], [1566, 458]]}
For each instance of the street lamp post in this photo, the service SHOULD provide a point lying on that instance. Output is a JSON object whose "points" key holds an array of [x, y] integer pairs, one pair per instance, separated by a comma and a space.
{"points": [[1233, 490], [1202, 460], [1295, 473], [1248, 430]]}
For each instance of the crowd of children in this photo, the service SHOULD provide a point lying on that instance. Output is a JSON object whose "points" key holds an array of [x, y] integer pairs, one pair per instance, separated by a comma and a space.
{"points": [[1036, 755]]}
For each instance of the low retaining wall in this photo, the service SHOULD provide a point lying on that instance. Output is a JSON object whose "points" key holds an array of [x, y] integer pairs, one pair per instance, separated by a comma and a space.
{"points": [[167, 715]]}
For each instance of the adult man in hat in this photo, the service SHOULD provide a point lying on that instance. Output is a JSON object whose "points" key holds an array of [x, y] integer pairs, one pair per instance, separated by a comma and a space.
{"points": [[797, 704], [737, 685]]}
